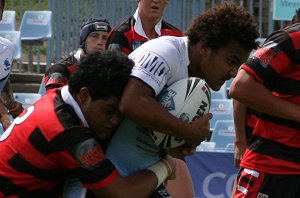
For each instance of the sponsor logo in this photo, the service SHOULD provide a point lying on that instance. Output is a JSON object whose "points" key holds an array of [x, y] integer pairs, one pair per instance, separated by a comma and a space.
{"points": [[153, 64], [88, 153], [91, 157], [266, 55], [101, 27], [166, 99], [136, 44], [201, 109], [6, 64], [185, 117]]}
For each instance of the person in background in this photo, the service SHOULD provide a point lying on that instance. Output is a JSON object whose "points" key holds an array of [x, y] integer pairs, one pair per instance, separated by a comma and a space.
{"points": [[210, 53], [144, 25], [245, 119], [60, 135], [296, 17], [93, 37], [8, 106]]}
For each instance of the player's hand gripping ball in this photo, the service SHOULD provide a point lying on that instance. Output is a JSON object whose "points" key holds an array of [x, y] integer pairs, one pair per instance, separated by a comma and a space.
{"points": [[187, 99]]}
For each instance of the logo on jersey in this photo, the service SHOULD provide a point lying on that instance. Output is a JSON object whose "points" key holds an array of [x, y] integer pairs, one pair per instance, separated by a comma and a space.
{"points": [[267, 54], [153, 66], [7, 64], [88, 153], [136, 44], [166, 100]]}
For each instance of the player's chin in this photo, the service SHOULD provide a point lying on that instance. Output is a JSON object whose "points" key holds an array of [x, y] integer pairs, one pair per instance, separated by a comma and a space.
{"points": [[216, 86], [104, 133]]}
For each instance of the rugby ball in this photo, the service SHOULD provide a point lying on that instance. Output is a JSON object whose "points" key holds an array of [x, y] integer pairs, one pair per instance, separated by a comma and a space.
{"points": [[187, 99]]}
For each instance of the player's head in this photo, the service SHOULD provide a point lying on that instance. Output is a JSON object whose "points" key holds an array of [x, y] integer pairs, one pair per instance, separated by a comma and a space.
{"points": [[104, 74], [222, 39], [296, 17], [152, 9], [94, 33], [2, 4], [97, 85], [223, 24]]}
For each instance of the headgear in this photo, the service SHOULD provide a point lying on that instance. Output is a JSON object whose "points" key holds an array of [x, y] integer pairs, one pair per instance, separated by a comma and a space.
{"points": [[93, 24]]}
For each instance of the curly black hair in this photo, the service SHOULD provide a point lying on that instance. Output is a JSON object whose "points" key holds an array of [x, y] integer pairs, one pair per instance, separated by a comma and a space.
{"points": [[104, 74], [219, 26]]}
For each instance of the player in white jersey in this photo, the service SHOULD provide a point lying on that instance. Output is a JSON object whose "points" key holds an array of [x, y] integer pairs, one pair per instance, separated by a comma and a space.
{"points": [[217, 43], [7, 104]]}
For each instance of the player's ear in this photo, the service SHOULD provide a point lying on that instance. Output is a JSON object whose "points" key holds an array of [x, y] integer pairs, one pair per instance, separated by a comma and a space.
{"points": [[202, 48], [84, 96]]}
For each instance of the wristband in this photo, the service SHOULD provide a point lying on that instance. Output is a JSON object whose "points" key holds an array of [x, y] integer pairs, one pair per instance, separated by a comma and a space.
{"points": [[169, 168], [161, 172]]}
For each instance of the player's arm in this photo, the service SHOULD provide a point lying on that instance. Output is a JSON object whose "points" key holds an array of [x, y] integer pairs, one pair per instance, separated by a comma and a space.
{"points": [[247, 90], [139, 105], [4, 117], [239, 116], [14, 107], [140, 184]]}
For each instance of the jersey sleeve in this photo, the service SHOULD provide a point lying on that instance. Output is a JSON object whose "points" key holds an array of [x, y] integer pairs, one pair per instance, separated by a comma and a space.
{"points": [[151, 68], [272, 60], [86, 160]]}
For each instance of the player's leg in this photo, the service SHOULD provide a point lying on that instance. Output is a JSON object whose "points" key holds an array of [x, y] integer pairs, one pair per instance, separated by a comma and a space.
{"points": [[182, 186]]}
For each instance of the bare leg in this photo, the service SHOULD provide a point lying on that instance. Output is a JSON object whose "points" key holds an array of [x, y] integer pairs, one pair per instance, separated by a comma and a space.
{"points": [[182, 186]]}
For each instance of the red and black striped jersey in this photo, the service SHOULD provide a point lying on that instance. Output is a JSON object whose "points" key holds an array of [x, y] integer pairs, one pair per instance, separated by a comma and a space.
{"points": [[124, 38], [274, 146], [251, 119], [45, 145]]}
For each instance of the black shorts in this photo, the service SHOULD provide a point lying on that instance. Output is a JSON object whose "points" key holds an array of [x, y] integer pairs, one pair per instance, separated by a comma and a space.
{"points": [[160, 192], [253, 184]]}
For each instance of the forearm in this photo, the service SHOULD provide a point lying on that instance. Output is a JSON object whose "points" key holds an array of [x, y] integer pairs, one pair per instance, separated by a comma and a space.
{"points": [[147, 112], [253, 94], [4, 117], [7, 92], [140, 184], [140, 106], [239, 116]]}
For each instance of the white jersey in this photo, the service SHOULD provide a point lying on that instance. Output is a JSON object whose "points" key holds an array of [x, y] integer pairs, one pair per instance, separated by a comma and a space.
{"points": [[6, 56], [159, 63]]}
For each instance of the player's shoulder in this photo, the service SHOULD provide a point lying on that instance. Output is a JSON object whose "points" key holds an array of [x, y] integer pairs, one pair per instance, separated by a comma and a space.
{"points": [[166, 25], [5, 45], [125, 26]]}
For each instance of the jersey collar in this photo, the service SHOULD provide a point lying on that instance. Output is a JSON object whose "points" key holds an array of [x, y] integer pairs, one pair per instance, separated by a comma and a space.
{"points": [[68, 98]]}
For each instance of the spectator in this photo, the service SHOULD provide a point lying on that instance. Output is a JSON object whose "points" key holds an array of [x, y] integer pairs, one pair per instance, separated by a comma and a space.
{"points": [[8, 106], [213, 53], [56, 137], [144, 25], [267, 83], [93, 37]]}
